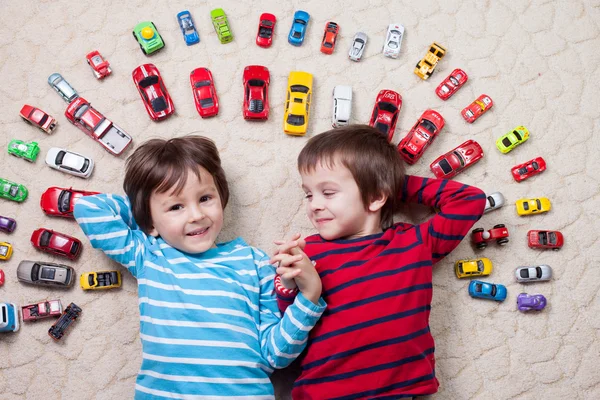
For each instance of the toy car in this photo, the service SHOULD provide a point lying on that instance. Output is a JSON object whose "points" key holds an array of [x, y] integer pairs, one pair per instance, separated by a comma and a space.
{"points": [[99, 65], [12, 191], [493, 202], [100, 280], [329, 37], [62, 87], [266, 27], [152, 89], [59, 202], [536, 205], [393, 40], [9, 317], [298, 29], [1, 277], [39, 118], [56, 243], [413, 145], [28, 151], [205, 94], [485, 290], [81, 114], [477, 108], [535, 273], [148, 37], [70, 162], [7, 225], [186, 23], [221, 25], [451, 84], [69, 316], [385, 112], [45, 309], [512, 139], [528, 169], [6, 251], [545, 240], [358, 46], [427, 65], [256, 92], [457, 159], [297, 105], [45, 273], [526, 302], [471, 268], [342, 105], [499, 233]]}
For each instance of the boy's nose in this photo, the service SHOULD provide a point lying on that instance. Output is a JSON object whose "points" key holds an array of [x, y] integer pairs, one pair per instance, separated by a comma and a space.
{"points": [[195, 213], [316, 204]]}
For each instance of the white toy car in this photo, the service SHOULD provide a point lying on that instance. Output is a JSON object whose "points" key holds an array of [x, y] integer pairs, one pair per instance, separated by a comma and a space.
{"points": [[535, 273], [358, 46], [69, 162], [342, 105], [393, 41], [494, 201]]}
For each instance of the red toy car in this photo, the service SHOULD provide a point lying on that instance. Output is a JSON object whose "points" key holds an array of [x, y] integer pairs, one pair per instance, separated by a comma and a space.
{"points": [[477, 108], [45, 309], [451, 84], [266, 27], [457, 159], [205, 95], [422, 134], [37, 117], [499, 233], [329, 37], [59, 202], [256, 89], [56, 243], [100, 66], [156, 99], [1, 277], [545, 240], [385, 112], [530, 168]]}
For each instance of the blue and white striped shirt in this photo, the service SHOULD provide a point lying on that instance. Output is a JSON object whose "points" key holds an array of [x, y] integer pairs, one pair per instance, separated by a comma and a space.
{"points": [[209, 323]]}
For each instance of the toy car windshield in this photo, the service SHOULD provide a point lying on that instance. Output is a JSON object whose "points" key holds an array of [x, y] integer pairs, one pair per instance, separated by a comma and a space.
{"points": [[206, 103], [148, 81], [389, 107], [298, 88], [445, 166], [429, 126], [64, 201]]}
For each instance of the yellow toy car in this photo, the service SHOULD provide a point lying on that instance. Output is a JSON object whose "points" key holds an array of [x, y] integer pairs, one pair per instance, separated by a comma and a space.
{"points": [[426, 66], [536, 205], [470, 268], [5, 250], [297, 105], [100, 280]]}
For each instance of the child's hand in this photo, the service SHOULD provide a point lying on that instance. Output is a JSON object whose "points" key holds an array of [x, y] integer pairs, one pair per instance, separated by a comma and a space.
{"points": [[285, 271]]}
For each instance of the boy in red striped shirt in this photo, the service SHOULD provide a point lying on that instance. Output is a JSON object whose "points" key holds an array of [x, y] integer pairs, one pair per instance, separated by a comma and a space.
{"points": [[373, 341]]}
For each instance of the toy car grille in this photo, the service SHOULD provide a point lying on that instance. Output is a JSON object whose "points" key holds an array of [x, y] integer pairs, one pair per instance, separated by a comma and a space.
{"points": [[256, 106]]}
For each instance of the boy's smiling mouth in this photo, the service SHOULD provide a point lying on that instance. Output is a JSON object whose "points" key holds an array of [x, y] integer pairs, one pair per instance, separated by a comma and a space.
{"points": [[197, 232]]}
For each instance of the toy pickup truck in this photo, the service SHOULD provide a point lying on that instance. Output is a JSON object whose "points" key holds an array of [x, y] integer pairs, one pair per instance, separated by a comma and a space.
{"points": [[69, 316], [45, 309]]}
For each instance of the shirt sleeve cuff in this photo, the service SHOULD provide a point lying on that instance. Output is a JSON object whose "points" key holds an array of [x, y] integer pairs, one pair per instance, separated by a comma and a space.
{"points": [[310, 308]]}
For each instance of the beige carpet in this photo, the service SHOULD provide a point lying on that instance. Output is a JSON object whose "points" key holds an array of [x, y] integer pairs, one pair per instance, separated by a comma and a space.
{"points": [[538, 61]]}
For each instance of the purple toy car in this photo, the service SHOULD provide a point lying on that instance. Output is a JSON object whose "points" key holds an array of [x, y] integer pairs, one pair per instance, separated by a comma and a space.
{"points": [[528, 302], [7, 224]]}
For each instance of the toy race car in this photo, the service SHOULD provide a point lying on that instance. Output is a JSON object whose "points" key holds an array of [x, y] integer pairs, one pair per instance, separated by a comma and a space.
{"points": [[45, 309], [494, 201], [266, 27], [526, 302], [256, 92], [358, 46], [28, 151], [99, 65], [342, 105], [100, 280], [545, 240], [329, 37], [69, 162], [6, 251], [69, 316], [45, 273], [59, 202], [89, 120], [528, 169], [422, 134], [485, 290], [205, 94], [297, 106], [221, 25], [12, 191], [427, 65], [499, 233], [188, 29], [471, 268], [298, 29], [56, 243], [9, 317], [7, 224], [393, 40], [477, 108], [512, 139], [2, 277], [451, 84], [536, 205], [154, 94], [62, 87], [148, 37], [385, 112], [457, 159], [39, 118], [536, 273]]}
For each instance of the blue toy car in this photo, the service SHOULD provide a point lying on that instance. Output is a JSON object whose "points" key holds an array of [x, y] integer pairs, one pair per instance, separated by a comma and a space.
{"points": [[485, 290], [190, 34], [9, 317], [298, 31]]}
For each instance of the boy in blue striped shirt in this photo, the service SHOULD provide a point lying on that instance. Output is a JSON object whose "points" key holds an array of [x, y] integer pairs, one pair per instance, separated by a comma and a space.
{"points": [[209, 321]]}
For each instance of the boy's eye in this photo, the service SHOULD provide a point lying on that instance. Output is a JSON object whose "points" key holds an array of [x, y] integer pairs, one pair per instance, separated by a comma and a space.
{"points": [[328, 193], [176, 207], [204, 198], [308, 196]]}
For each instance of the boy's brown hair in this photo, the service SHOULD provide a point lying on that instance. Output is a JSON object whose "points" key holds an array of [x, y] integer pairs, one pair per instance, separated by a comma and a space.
{"points": [[160, 165], [374, 163]]}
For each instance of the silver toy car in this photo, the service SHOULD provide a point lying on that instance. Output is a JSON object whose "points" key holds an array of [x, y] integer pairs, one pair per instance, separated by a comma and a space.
{"points": [[342, 105], [494, 201], [358, 46], [393, 40], [534, 273], [70, 162], [45, 273], [63, 88]]}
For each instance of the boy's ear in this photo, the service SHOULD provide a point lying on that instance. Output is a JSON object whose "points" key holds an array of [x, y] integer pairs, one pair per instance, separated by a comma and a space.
{"points": [[377, 202], [153, 232]]}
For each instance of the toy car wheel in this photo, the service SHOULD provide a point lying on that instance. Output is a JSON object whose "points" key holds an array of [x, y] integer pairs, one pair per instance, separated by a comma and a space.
{"points": [[477, 230], [481, 245], [502, 241], [499, 226], [133, 33], [556, 249], [143, 49], [417, 66]]}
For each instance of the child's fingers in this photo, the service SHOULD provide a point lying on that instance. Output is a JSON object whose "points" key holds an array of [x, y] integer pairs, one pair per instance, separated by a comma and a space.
{"points": [[284, 259], [290, 275]]}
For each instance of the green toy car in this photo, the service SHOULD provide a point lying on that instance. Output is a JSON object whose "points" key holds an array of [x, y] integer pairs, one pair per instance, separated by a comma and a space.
{"points": [[512, 139], [148, 37], [28, 151], [12, 191], [221, 25]]}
